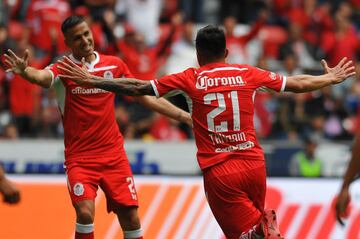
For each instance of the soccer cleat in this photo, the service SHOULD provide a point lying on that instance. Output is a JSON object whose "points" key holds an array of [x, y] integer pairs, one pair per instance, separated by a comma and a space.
{"points": [[269, 225]]}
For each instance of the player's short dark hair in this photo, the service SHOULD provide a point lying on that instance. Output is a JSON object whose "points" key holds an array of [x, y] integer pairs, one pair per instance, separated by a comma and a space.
{"points": [[210, 42], [71, 22]]}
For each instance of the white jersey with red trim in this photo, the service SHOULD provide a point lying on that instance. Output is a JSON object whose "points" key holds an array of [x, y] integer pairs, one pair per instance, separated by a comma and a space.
{"points": [[221, 100], [90, 128]]}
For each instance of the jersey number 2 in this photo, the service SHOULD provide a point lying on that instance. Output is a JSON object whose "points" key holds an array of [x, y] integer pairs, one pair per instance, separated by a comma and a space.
{"points": [[223, 126]]}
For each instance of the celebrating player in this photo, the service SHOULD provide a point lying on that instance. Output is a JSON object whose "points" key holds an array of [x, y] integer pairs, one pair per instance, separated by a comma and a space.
{"points": [[222, 104], [9, 191], [353, 169], [94, 152]]}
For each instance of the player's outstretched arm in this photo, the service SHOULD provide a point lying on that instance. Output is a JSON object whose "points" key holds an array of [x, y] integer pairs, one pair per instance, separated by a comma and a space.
{"points": [[166, 108], [125, 86], [10, 192], [20, 66], [335, 75], [353, 169]]}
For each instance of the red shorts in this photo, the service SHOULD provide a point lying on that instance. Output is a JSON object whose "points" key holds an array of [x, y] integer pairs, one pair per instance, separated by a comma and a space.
{"points": [[236, 191], [113, 175]]}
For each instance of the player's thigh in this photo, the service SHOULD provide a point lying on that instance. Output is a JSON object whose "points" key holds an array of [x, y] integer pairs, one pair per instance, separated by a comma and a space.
{"points": [[233, 199], [83, 181], [118, 184]]}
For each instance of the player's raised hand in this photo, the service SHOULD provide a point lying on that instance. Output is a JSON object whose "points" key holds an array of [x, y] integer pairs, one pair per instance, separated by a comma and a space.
{"points": [[15, 63], [341, 205], [71, 71], [10, 192], [341, 71]]}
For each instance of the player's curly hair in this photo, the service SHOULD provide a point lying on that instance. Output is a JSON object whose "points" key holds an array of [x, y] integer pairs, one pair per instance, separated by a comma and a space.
{"points": [[71, 22], [211, 42]]}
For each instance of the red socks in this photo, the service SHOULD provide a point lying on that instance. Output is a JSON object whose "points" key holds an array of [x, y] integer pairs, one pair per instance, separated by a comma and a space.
{"points": [[84, 235]]}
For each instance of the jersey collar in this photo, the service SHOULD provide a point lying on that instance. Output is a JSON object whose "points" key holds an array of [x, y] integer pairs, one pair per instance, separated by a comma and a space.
{"points": [[90, 65], [213, 65]]}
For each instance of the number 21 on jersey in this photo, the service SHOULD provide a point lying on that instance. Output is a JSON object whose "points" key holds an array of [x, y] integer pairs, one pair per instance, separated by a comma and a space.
{"points": [[222, 107]]}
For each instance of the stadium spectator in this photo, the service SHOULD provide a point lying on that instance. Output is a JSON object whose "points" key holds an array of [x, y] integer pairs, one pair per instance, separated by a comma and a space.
{"points": [[237, 44], [51, 117], [10, 132], [143, 15], [342, 40], [223, 126], [306, 163], [44, 18], [8, 189], [306, 53], [144, 63], [182, 54], [94, 153]]}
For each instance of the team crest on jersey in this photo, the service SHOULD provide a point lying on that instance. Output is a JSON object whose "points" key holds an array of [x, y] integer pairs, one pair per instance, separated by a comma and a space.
{"points": [[272, 76], [108, 75], [79, 189]]}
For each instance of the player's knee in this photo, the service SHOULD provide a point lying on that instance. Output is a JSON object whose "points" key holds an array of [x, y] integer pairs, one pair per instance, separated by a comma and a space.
{"points": [[128, 218], [84, 215]]}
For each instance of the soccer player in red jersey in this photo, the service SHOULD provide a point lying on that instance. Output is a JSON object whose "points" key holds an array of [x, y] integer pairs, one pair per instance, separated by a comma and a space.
{"points": [[221, 98], [94, 152], [9, 191], [352, 171]]}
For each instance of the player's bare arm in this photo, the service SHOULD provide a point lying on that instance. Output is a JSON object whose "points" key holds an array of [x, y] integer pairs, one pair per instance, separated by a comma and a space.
{"points": [[166, 108], [20, 65], [10, 192], [332, 76], [352, 170], [126, 86]]}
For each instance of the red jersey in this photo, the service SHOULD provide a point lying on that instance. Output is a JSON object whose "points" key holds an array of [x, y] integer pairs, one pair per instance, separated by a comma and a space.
{"points": [[221, 100], [89, 121]]}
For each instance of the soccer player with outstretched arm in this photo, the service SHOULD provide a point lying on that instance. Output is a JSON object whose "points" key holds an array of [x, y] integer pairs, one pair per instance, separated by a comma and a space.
{"points": [[94, 151], [353, 170], [9, 191], [221, 98]]}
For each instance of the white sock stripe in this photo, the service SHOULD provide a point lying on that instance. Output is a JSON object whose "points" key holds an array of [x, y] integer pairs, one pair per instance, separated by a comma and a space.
{"points": [[84, 228], [133, 234]]}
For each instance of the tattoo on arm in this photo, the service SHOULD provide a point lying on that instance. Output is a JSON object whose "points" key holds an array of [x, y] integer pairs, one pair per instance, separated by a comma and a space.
{"points": [[126, 86]]}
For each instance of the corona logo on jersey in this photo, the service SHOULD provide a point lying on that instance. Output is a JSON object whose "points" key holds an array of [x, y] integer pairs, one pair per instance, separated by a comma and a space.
{"points": [[87, 91], [204, 82]]}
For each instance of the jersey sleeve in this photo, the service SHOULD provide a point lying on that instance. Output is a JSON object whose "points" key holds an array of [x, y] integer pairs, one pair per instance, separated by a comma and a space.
{"points": [[171, 83], [54, 73], [268, 79], [125, 72]]}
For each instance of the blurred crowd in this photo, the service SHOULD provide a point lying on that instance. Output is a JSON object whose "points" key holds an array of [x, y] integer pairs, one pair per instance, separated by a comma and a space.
{"points": [[156, 37]]}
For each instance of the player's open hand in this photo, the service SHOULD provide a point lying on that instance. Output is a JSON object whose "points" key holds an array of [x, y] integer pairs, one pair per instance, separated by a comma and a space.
{"points": [[10, 192], [341, 205], [71, 71], [15, 63], [341, 71]]}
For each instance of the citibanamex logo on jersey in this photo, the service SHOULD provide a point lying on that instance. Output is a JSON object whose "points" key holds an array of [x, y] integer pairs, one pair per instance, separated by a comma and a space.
{"points": [[204, 82], [79, 189], [108, 75]]}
